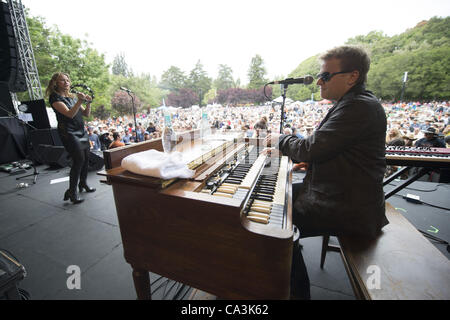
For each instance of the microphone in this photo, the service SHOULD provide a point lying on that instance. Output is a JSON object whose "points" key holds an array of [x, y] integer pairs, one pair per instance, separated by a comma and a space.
{"points": [[305, 80], [126, 90]]}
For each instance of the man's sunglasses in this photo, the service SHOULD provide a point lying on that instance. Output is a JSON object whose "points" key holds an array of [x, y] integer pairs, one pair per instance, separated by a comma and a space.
{"points": [[326, 76]]}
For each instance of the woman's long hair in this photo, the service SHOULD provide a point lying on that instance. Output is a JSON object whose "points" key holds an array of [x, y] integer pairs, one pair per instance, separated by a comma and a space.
{"points": [[52, 85]]}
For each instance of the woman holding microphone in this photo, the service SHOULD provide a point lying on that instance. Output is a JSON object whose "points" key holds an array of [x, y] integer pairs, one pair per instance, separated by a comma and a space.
{"points": [[69, 113]]}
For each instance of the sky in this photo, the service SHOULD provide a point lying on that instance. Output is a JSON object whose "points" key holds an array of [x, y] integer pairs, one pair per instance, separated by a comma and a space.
{"points": [[154, 35]]}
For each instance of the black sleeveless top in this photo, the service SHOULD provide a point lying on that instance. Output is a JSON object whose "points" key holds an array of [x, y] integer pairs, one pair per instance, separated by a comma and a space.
{"points": [[74, 124], [71, 130]]}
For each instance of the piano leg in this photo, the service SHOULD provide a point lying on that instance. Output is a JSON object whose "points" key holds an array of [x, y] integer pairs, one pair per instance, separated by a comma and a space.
{"points": [[141, 280]]}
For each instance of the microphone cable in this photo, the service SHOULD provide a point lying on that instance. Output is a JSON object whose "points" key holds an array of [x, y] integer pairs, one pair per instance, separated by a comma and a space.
{"points": [[264, 92]]}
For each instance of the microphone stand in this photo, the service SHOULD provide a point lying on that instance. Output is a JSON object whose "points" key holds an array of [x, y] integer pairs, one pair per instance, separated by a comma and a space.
{"points": [[283, 94], [134, 115]]}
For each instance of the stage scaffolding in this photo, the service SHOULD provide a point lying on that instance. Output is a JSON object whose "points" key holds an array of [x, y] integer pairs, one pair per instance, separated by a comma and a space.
{"points": [[25, 51]]}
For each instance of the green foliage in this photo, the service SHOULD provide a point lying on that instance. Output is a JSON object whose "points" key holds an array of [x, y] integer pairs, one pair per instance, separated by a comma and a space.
{"points": [[120, 66], [173, 79], [40, 35], [308, 67], [225, 78], [55, 52], [256, 73], [199, 82], [423, 52], [428, 75], [142, 86], [210, 96]]}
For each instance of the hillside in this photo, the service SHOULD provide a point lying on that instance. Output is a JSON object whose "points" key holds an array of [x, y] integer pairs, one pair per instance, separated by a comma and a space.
{"points": [[422, 51]]}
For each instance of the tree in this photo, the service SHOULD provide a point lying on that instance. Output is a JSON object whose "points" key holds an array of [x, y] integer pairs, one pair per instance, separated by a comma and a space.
{"points": [[40, 40], [120, 67], [184, 98], [422, 51], [235, 96], [225, 78], [173, 79], [237, 83], [199, 82], [57, 52], [301, 92], [428, 75], [123, 104], [101, 112], [210, 96], [256, 73], [143, 87]]}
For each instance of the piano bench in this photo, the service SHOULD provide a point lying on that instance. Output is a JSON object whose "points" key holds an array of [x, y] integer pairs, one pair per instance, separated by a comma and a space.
{"points": [[401, 264]]}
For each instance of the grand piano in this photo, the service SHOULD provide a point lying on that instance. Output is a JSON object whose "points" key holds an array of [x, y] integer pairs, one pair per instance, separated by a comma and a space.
{"points": [[226, 231]]}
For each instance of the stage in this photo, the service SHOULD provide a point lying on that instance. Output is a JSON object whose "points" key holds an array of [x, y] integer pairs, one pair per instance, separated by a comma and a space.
{"points": [[48, 235]]}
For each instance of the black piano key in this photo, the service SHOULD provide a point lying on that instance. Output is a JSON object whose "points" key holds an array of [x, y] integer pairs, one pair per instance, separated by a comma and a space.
{"points": [[234, 181], [266, 198]]}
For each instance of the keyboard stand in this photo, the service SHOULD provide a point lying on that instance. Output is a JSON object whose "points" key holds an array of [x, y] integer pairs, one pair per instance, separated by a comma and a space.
{"points": [[418, 175]]}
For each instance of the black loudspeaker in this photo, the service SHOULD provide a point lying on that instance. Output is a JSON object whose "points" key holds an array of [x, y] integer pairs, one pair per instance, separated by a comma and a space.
{"points": [[11, 71], [39, 137], [38, 110], [54, 156], [6, 104], [45, 136], [13, 144], [95, 160]]}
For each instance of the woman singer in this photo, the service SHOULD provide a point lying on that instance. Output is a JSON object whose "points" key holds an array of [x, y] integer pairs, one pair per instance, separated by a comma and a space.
{"points": [[69, 113]]}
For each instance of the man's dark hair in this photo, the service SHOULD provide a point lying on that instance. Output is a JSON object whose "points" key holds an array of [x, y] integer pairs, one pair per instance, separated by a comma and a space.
{"points": [[351, 58]]}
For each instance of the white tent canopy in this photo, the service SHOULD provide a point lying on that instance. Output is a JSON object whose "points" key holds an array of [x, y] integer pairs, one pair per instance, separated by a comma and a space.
{"points": [[170, 108], [280, 100]]}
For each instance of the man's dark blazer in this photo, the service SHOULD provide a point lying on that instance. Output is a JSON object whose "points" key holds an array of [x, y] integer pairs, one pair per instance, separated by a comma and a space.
{"points": [[342, 192]]}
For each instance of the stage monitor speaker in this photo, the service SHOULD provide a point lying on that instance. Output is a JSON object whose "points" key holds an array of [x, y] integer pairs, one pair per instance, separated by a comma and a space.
{"points": [[38, 110], [96, 161], [11, 71], [45, 136], [54, 156]]}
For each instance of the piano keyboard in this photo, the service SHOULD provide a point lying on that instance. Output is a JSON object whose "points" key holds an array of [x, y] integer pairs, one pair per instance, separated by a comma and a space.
{"points": [[239, 179], [266, 204], [413, 156], [267, 201]]}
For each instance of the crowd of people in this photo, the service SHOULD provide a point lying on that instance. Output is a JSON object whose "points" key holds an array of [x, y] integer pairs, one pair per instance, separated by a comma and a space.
{"points": [[409, 124]]}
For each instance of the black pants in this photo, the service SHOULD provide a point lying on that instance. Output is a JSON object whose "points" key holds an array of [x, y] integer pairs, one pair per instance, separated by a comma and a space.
{"points": [[303, 225], [79, 170], [300, 286]]}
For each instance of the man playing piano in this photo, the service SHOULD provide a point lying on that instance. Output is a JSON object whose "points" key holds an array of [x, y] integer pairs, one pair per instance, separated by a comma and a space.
{"points": [[342, 192]]}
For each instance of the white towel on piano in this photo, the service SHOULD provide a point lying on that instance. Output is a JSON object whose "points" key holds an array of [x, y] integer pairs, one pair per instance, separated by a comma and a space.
{"points": [[158, 164]]}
